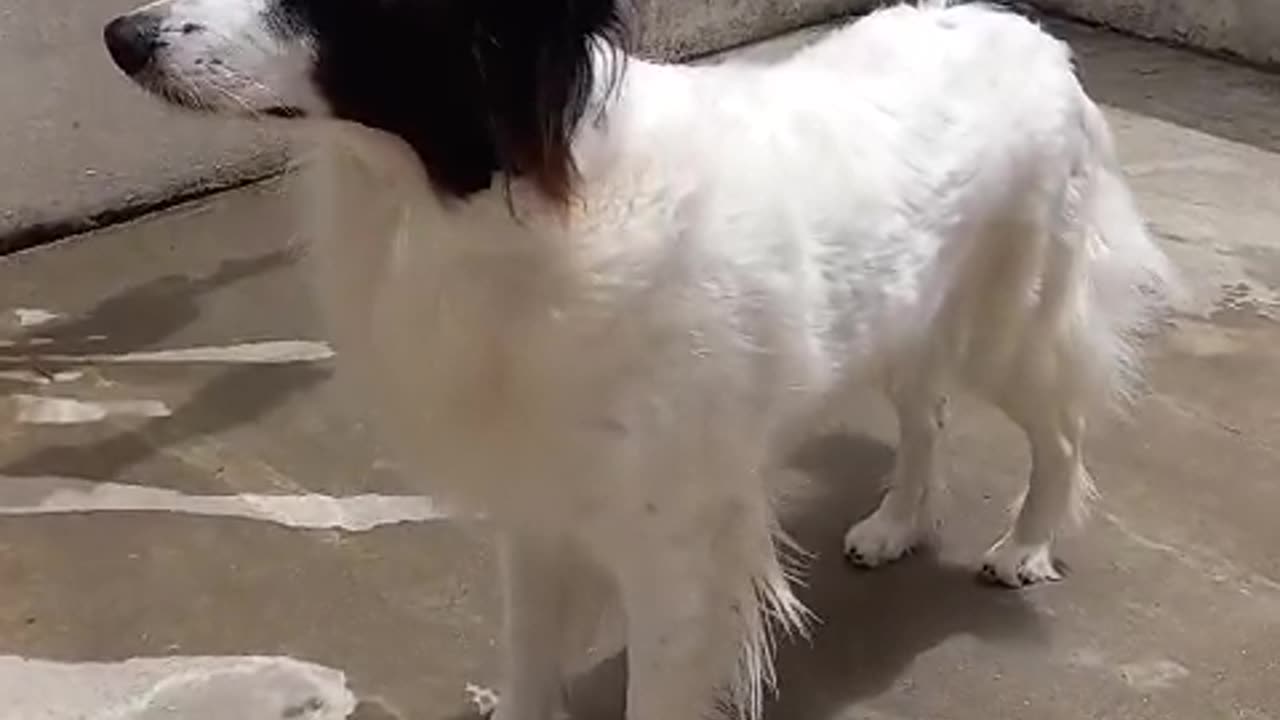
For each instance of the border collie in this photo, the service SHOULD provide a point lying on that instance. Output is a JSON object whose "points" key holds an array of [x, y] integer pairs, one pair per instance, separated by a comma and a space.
{"points": [[600, 300]]}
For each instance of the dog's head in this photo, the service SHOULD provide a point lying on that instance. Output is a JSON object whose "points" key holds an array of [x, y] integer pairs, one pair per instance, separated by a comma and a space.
{"points": [[477, 88]]}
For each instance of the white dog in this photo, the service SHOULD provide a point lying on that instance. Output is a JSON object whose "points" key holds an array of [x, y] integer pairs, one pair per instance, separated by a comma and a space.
{"points": [[600, 300]]}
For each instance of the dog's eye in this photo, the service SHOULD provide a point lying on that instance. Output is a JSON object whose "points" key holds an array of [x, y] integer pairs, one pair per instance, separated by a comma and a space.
{"points": [[191, 27]]}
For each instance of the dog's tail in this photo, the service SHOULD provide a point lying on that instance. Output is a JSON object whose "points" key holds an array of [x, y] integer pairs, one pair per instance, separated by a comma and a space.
{"points": [[1105, 276]]}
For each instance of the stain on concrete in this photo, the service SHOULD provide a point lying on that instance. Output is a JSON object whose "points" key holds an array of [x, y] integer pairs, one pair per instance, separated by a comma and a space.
{"points": [[1202, 339], [1151, 675]]}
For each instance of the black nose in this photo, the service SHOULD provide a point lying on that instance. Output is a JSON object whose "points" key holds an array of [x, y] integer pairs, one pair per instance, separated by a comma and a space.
{"points": [[132, 41]]}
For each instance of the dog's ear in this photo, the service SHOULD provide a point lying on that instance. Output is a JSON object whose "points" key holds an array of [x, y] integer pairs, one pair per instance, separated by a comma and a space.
{"points": [[535, 64]]}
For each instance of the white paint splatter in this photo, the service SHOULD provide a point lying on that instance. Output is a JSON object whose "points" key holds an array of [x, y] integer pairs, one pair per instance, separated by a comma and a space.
{"points": [[36, 378], [34, 317], [861, 711], [266, 352], [185, 688], [1153, 675], [269, 352], [24, 376], [484, 700], [59, 495], [40, 410]]}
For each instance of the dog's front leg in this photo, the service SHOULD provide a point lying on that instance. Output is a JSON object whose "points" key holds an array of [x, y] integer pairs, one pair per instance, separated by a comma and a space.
{"points": [[689, 618], [535, 588]]}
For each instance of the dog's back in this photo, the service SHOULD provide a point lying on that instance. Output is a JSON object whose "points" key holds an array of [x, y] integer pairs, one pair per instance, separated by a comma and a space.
{"points": [[927, 181]]}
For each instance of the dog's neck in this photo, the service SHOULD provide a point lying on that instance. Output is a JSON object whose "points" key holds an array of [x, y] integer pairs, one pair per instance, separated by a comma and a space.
{"points": [[368, 172]]}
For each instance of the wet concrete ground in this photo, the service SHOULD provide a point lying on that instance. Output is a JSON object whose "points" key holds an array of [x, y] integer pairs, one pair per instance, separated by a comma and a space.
{"points": [[1171, 611]]}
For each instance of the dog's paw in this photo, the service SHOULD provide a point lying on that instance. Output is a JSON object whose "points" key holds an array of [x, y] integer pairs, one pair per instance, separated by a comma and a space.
{"points": [[879, 540], [1013, 565], [484, 701]]}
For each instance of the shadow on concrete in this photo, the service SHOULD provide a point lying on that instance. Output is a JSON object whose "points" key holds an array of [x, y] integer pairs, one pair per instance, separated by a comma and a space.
{"points": [[372, 709], [872, 625], [137, 319], [1190, 89], [232, 398]]}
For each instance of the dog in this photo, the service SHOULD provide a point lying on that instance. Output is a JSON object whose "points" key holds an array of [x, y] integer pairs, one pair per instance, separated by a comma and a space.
{"points": [[600, 300]]}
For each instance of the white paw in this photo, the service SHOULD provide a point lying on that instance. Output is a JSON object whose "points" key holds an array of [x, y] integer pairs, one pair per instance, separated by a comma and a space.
{"points": [[1014, 565], [880, 539], [484, 700]]}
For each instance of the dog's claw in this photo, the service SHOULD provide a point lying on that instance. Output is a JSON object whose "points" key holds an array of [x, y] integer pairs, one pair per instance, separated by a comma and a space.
{"points": [[1031, 570], [879, 540], [857, 560], [991, 576], [860, 561]]}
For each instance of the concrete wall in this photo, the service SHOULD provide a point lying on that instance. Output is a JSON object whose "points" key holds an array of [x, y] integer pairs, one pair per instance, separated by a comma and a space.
{"points": [[1249, 29], [681, 28], [81, 147]]}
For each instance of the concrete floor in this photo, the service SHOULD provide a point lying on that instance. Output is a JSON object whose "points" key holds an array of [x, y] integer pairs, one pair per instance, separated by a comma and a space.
{"points": [[80, 142], [1171, 611]]}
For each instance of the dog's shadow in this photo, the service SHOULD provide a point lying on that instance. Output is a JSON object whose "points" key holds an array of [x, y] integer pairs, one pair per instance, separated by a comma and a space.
{"points": [[871, 625]]}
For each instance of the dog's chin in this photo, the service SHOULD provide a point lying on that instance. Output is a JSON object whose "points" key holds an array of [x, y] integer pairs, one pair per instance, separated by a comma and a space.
{"points": [[175, 95]]}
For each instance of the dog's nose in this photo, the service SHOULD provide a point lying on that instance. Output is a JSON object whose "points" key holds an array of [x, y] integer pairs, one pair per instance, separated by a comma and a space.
{"points": [[132, 41]]}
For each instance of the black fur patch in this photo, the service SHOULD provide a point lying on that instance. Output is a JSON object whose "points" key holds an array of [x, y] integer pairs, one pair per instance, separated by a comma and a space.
{"points": [[478, 88]]}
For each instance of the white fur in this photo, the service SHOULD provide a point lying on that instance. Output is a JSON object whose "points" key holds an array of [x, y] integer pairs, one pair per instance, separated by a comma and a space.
{"points": [[925, 199], [223, 55]]}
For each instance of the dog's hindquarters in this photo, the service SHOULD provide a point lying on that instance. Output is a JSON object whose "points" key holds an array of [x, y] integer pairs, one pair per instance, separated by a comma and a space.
{"points": [[1041, 313], [1103, 281]]}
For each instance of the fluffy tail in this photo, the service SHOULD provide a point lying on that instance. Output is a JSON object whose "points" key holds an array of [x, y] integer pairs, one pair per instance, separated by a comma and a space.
{"points": [[1105, 274]]}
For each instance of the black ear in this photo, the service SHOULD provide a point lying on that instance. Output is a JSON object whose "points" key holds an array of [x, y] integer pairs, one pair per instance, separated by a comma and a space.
{"points": [[534, 61]]}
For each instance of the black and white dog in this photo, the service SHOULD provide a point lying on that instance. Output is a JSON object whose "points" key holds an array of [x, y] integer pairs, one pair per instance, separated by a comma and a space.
{"points": [[600, 300]]}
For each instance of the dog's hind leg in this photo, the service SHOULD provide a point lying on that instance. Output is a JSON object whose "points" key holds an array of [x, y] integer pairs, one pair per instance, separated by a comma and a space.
{"points": [[1059, 488], [1062, 371], [907, 514]]}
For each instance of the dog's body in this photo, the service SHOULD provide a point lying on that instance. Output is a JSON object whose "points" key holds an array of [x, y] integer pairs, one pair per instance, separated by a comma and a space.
{"points": [[926, 198]]}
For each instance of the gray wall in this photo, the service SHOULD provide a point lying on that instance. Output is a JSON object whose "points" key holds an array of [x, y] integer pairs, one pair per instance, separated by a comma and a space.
{"points": [[1247, 28], [83, 147], [680, 28]]}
